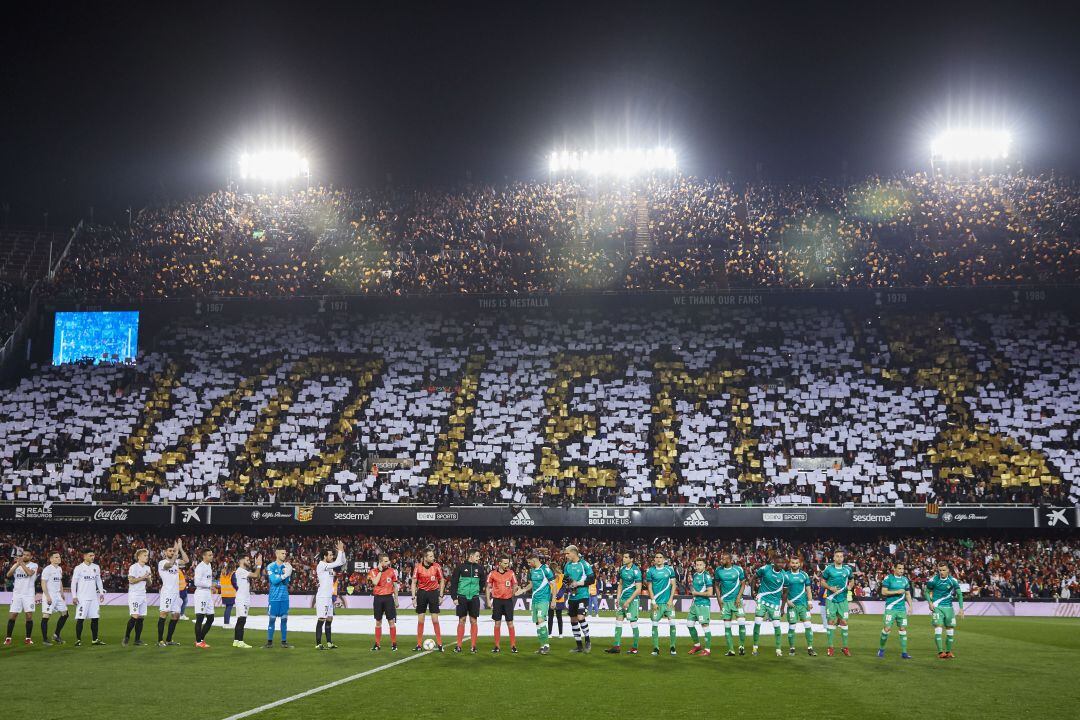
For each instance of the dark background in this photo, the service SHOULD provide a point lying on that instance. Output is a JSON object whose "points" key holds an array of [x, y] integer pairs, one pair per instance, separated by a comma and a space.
{"points": [[115, 103]]}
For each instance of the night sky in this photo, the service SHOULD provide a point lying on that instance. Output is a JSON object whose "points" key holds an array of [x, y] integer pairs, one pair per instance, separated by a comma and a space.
{"points": [[110, 104]]}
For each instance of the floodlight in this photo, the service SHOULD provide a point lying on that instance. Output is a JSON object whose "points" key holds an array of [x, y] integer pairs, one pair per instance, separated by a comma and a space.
{"points": [[273, 165], [618, 163], [968, 145]]}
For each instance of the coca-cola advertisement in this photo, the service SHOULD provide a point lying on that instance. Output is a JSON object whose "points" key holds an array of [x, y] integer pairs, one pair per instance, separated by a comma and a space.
{"points": [[82, 513]]}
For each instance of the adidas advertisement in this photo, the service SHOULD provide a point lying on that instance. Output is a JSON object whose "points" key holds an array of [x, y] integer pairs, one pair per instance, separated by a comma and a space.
{"points": [[696, 518]]}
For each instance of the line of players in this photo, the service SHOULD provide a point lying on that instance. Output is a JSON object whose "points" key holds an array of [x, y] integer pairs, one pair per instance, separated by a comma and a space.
{"points": [[781, 589]]}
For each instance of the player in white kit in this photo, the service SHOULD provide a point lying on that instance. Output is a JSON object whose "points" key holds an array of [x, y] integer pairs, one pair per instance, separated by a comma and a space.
{"points": [[22, 595], [169, 596], [324, 596], [241, 580], [87, 593], [138, 578], [204, 598], [52, 599]]}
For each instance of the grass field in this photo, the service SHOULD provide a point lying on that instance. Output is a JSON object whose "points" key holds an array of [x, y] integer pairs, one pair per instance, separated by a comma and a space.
{"points": [[1006, 668]]}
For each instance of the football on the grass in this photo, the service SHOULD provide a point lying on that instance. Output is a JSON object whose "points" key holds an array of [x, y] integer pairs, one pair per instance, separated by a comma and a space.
{"points": [[429, 644]]}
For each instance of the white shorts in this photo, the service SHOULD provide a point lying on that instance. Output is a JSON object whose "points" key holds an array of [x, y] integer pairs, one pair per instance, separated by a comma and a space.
{"points": [[137, 606], [22, 603], [204, 602], [242, 606], [88, 609], [57, 606], [324, 607], [169, 602]]}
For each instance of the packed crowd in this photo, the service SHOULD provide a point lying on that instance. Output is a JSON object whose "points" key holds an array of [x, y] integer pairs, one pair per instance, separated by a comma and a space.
{"points": [[769, 406], [910, 231], [988, 567]]}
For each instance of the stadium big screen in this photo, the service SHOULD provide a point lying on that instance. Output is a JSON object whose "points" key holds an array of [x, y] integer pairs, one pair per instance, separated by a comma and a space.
{"points": [[98, 336]]}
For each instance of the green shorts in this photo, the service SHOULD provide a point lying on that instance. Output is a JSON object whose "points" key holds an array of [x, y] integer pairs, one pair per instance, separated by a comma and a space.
{"points": [[699, 613], [631, 612], [836, 609], [896, 616], [798, 613], [662, 611], [767, 611], [540, 611], [944, 615], [730, 609]]}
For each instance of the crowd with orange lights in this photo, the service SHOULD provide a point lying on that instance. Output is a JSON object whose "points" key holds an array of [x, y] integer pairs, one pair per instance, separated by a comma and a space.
{"points": [[658, 234]]}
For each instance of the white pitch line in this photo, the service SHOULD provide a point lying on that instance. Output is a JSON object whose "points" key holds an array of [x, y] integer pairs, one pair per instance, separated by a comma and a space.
{"points": [[327, 686]]}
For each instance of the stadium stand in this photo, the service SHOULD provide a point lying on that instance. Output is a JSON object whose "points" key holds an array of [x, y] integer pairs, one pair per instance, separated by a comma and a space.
{"points": [[799, 406], [990, 567], [909, 231]]}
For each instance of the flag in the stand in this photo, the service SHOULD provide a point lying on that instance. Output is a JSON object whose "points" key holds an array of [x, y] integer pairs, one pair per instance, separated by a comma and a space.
{"points": [[931, 509]]}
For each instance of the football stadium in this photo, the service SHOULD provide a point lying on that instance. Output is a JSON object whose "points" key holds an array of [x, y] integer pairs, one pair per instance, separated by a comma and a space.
{"points": [[485, 360]]}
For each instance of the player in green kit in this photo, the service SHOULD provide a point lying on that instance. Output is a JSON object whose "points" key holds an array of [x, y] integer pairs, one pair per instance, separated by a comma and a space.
{"points": [[769, 595], [940, 591], [798, 605], [629, 607], [896, 591], [701, 583], [539, 584], [837, 579], [661, 582], [579, 575], [730, 583]]}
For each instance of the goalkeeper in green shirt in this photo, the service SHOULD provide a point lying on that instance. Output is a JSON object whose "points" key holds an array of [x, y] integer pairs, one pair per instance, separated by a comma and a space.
{"points": [[896, 592], [627, 608], [940, 592]]}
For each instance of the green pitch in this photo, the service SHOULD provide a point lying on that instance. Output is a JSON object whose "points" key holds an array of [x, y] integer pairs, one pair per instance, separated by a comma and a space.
{"points": [[1005, 668]]}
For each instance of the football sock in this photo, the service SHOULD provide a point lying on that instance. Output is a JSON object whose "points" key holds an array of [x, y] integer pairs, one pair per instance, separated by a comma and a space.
{"points": [[474, 630], [438, 631], [393, 634], [172, 629], [637, 634], [378, 635], [129, 628], [45, 629], [93, 628], [273, 624], [656, 636], [513, 637], [937, 639], [949, 639], [318, 631], [161, 629], [498, 633], [460, 631], [138, 629], [618, 633], [284, 629], [79, 627], [29, 629], [10, 627], [420, 631], [728, 638], [829, 629], [708, 638], [672, 631], [585, 629], [883, 640], [329, 635], [843, 635], [692, 627], [61, 623], [238, 632], [903, 640]]}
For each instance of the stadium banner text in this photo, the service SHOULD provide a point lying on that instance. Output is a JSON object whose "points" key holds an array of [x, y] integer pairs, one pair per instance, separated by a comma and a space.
{"points": [[698, 518]]}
